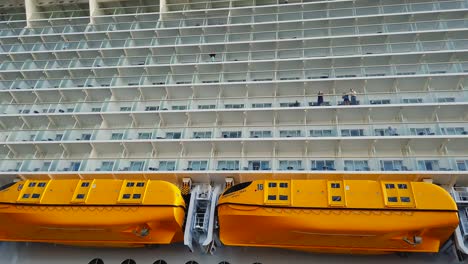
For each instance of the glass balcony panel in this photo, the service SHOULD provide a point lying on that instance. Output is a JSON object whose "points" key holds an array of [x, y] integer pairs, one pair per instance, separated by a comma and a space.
{"points": [[241, 19], [420, 7], [262, 18], [237, 37], [263, 55], [366, 11], [388, 9], [343, 31], [343, 51], [345, 12], [219, 38], [315, 14], [317, 52], [403, 47], [374, 49], [394, 28], [263, 36], [443, 5]]}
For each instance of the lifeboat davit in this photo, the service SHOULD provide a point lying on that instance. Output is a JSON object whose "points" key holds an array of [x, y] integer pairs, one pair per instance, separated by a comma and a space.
{"points": [[346, 216], [104, 212]]}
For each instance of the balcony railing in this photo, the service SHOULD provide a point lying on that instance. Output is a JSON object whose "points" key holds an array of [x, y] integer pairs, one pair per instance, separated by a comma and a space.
{"points": [[272, 132], [238, 56], [285, 164]]}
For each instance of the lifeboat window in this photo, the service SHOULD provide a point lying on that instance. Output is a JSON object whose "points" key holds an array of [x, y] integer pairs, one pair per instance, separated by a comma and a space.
{"points": [[238, 187], [126, 196], [392, 199], [140, 184], [390, 186], [26, 196], [405, 199], [80, 196], [136, 196], [336, 198], [283, 185], [283, 197], [271, 197], [35, 195], [272, 184], [335, 185], [85, 184], [32, 184], [402, 186], [41, 184], [130, 184]]}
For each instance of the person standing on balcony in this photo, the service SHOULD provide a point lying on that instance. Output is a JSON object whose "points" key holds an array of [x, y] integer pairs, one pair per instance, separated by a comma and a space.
{"points": [[353, 94], [212, 56], [345, 98], [320, 98]]}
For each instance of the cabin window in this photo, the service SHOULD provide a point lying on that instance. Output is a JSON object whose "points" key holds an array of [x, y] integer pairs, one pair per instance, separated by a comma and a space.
{"points": [[26, 196], [335, 185], [80, 196], [284, 185], [41, 184], [271, 197], [35, 195], [283, 197], [130, 184], [272, 184], [405, 199], [140, 184], [402, 186], [392, 199], [126, 196], [336, 198], [32, 184], [136, 196], [390, 186], [85, 184]]}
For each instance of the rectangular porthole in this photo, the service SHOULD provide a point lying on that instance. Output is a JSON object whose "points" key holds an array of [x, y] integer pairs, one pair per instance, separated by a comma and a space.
{"points": [[41, 184], [335, 185], [272, 184], [336, 198], [283, 197], [26, 196], [85, 184], [126, 196], [402, 186], [405, 199], [271, 197], [130, 184], [80, 196], [136, 196], [283, 185], [390, 186], [140, 184], [32, 184], [392, 199], [35, 195]]}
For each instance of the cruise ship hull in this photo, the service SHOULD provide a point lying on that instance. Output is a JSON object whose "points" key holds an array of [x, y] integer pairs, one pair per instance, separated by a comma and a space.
{"points": [[107, 226], [335, 230]]}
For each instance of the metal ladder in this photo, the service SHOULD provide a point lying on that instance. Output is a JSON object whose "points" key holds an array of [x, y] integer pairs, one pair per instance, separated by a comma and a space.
{"points": [[201, 218]]}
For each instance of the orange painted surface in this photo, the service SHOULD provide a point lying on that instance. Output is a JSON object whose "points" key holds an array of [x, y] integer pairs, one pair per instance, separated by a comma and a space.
{"points": [[51, 212], [367, 218]]}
